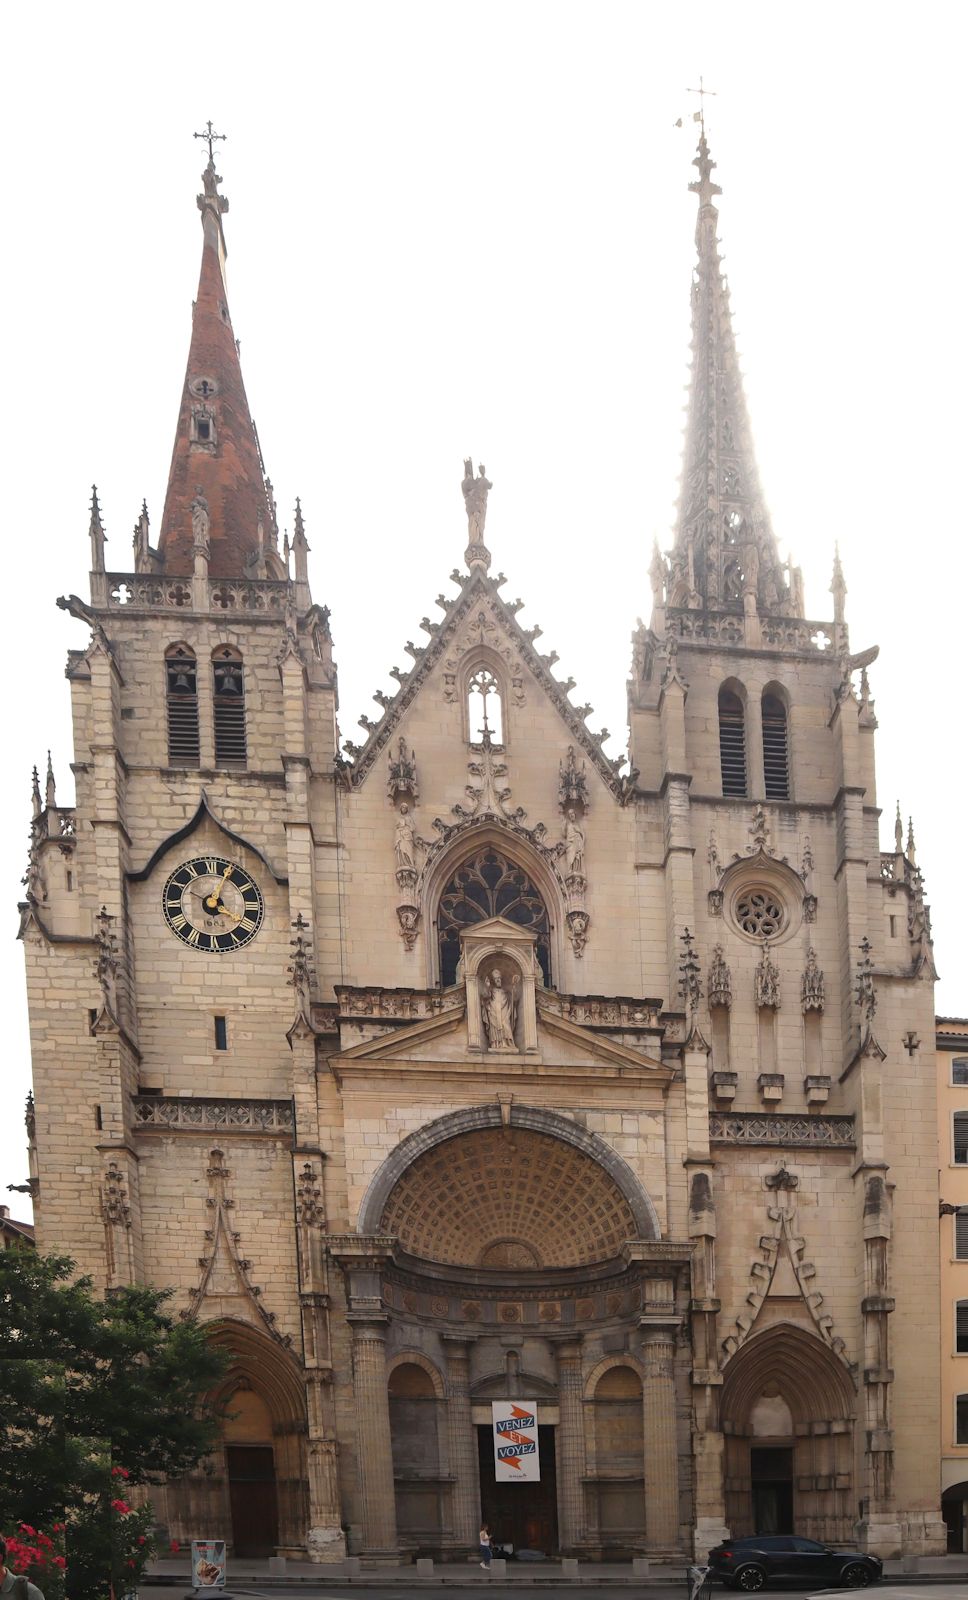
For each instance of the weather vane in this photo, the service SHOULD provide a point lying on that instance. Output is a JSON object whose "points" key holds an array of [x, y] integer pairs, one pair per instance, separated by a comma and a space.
{"points": [[702, 91], [211, 138]]}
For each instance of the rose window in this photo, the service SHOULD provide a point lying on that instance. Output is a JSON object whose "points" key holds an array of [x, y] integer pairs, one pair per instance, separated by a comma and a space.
{"points": [[760, 914]]}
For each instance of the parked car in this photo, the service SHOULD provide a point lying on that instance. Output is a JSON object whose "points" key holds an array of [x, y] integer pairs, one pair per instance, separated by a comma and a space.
{"points": [[750, 1563]]}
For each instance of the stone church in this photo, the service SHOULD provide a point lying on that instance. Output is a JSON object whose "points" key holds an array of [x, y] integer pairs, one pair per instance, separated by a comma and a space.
{"points": [[468, 1064]]}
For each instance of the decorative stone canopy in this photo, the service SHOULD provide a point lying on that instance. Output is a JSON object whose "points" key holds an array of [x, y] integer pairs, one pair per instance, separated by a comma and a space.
{"points": [[510, 1199]]}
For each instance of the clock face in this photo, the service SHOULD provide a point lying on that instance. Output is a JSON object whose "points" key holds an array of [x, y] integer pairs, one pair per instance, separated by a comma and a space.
{"points": [[213, 905]]}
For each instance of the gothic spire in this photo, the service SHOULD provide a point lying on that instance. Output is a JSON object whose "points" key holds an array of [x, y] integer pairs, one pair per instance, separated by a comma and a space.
{"points": [[98, 539], [725, 554], [216, 449]]}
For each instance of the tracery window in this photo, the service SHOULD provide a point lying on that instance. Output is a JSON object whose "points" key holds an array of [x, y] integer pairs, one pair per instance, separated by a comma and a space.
{"points": [[486, 885], [485, 709], [759, 913]]}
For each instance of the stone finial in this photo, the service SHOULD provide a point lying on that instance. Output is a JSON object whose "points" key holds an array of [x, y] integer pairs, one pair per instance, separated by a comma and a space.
{"points": [[402, 773], [690, 977], [301, 972], [864, 993], [51, 788], [98, 537], [898, 832], [30, 1118], [475, 492], [572, 783], [720, 980], [36, 804], [300, 546], [812, 984], [911, 852], [838, 587]]}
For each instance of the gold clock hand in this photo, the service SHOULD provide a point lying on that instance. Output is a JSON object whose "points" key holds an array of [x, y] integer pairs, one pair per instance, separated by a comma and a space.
{"points": [[212, 900]]}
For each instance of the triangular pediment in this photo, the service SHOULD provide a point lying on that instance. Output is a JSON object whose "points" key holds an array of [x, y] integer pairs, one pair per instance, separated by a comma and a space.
{"points": [[478, 608], [442, 1040]]}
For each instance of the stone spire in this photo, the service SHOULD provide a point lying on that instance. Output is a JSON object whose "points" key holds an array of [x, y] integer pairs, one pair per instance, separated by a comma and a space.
{"points": [[725, 555], [216, 450]]}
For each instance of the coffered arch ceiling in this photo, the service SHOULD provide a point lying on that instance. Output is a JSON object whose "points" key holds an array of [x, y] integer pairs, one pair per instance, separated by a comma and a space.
{"points": [[509, 1199]]}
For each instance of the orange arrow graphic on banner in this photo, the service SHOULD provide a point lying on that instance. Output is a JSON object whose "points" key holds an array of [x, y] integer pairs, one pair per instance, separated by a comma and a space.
{"points": [[517, 1412], [515, 1438], [511, 1461]]}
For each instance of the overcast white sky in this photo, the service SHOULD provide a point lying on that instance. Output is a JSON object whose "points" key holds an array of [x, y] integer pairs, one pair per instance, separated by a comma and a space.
{"points": [[464, 228]]}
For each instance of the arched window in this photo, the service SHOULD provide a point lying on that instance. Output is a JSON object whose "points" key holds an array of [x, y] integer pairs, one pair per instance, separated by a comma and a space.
{"points": [[732, 743], [489, 885], [229, 687], [181, 685], [485, 707], [776, 753], [961, 1327]]}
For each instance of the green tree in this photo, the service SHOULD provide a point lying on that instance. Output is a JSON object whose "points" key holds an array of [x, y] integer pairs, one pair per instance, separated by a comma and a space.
{"points": [[93, 1391]]}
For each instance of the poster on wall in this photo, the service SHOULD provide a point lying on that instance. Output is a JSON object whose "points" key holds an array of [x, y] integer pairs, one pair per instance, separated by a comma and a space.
{"points": [[208, 1563], [515, 1424]]}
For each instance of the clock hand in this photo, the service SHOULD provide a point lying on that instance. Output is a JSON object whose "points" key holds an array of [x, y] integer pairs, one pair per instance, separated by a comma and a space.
{"points": [[213, 899], [224, 911]]}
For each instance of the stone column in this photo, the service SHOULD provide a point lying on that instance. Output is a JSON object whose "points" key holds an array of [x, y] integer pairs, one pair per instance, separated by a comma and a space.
{"points": [[659, 1420], [462, 1443], [373, 1433], [570, 1444]]}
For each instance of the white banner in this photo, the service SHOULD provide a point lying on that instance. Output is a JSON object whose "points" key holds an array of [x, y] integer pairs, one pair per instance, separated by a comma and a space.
{"points": [[515, 1424]]}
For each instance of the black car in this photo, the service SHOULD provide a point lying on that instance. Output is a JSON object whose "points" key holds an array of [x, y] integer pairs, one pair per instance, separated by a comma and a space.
{"points": [[751, 1563]]}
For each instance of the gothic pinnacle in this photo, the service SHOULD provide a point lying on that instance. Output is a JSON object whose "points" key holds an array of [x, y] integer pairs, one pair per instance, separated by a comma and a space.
{"points": [[838, 586], [51, 789], [911, 851], [898, 832], [35, 800], [98, 539]]}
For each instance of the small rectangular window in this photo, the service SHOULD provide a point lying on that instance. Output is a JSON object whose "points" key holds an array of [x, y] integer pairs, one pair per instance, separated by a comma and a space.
{"points": [[229, 709], [221, 1034], [959, 1070], [97, 1119], [70, 882], [893, 922], [960, 1140], [961, 1420], [182, 704], [961, 1234], [961, 1327]]}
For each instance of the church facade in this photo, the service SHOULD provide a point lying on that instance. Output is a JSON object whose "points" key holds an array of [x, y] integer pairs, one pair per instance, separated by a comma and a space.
{"points": [[467, 1064]]}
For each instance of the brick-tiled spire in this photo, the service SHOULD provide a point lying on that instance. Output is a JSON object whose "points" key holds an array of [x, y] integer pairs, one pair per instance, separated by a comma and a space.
{"points": [[724, 548], [216, 450]]}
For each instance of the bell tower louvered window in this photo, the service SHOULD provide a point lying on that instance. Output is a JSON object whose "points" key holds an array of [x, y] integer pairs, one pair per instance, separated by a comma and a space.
{"points": [[776, 750], [732, 743], [229, 687], [181, 684]]}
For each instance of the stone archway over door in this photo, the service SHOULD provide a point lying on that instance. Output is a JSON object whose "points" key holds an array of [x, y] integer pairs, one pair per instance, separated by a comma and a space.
{"points": [[788, 1417], [261, 1460]]}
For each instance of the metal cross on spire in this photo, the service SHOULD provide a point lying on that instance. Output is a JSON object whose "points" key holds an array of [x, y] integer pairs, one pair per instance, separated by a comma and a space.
{"points": [[211, 137], [702, 92]]}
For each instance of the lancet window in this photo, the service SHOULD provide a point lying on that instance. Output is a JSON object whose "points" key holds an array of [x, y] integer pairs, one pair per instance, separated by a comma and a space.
{"points": [[181, 701], [776, 751], [485, 707], [732, 743], [488, 884], [229, 702]]}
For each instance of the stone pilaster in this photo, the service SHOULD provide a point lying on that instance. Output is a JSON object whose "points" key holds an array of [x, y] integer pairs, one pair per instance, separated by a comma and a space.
{"points": [[462, 1443], [373, 1434], [661, 1461], [571, 1445]]}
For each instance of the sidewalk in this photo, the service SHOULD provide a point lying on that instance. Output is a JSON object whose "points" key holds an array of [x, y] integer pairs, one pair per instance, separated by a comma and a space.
{"points": [[244, 1573]]}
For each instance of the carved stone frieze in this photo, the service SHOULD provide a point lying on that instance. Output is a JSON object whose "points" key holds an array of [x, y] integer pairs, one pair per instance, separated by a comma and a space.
{"points": [[790, 1131], [174, 1114], [598, 1011]]}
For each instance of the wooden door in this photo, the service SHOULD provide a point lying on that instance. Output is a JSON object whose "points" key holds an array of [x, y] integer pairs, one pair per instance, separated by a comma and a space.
{"points": [[252, 1495]]}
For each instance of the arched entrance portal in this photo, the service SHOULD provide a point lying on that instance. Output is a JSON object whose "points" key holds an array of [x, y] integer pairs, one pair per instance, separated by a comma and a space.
{"points": [[252, 1491], [787, 1416], [514, 1252]]}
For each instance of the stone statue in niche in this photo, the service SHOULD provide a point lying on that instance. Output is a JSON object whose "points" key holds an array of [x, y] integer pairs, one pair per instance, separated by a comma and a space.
{"points": [[405, 841], [200, 520], [574, 847], [499, 1006]]}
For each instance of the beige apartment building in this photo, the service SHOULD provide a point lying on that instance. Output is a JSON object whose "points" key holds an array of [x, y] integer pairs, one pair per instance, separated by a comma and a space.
{"points": [[466, 1064], [952, 1060]]}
